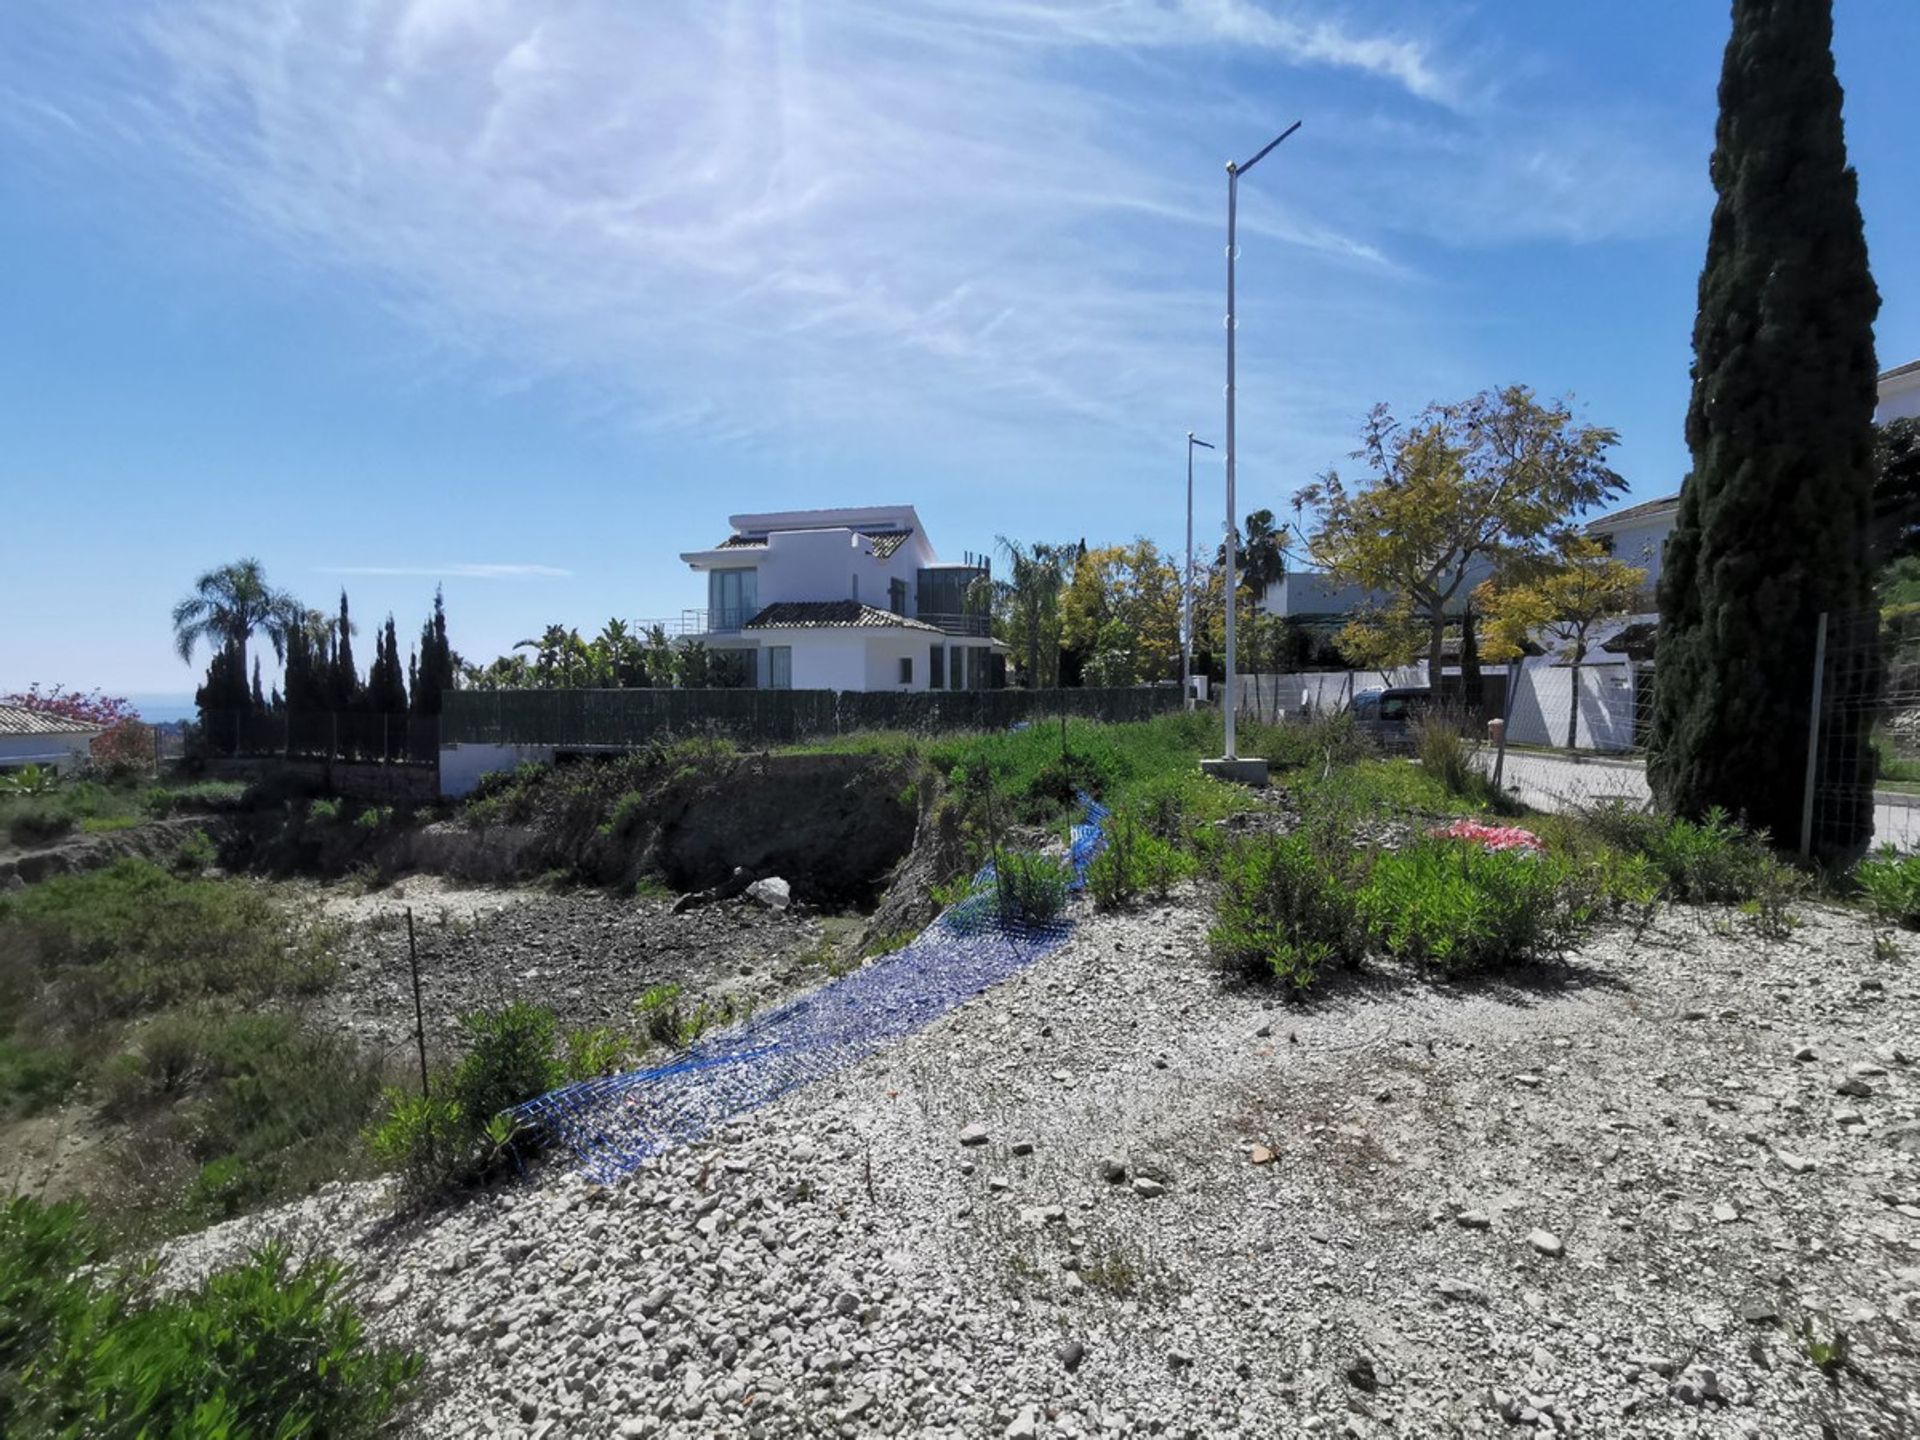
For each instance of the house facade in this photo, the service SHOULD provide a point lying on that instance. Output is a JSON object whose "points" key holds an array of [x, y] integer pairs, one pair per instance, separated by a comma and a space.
{"points": [[38, 737], [846, 599], [1899, 394]]}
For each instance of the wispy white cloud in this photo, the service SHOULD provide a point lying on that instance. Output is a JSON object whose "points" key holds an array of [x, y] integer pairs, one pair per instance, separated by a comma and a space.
{"points": [[460, 571], [773, 222]]}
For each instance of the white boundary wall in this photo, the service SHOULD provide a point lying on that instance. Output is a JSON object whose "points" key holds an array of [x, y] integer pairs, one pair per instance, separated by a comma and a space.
{"points": [[1542, 693]]}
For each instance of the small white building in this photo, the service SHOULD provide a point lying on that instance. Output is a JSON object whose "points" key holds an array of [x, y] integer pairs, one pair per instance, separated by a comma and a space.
{"points": [[39, 737], [848, 599], [1899, 394]]}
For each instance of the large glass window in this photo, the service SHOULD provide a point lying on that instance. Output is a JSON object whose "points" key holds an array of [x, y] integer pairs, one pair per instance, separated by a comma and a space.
{"points": [[732, 598], [937, 667], [779, 667], [957, 676]]}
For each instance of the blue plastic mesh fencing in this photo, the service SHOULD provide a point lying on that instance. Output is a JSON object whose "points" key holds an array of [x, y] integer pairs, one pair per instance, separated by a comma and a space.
{"points": [[614, 1124]]}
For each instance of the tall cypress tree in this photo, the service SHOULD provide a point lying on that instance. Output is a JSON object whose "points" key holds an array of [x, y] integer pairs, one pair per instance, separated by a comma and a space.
{"points": [[343, 688], [435, 676], [1773, 527]]}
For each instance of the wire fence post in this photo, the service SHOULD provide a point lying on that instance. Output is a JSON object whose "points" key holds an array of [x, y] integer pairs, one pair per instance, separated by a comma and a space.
{"points": [[419, 1011], [1813, 735]]}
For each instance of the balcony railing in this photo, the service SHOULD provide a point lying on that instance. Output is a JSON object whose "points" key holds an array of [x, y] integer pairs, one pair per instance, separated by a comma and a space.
{"points": [[980, 625], [725, 622]]}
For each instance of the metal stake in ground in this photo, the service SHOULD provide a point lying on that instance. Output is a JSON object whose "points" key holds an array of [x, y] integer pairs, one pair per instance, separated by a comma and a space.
{"points": [[419, 1012]]}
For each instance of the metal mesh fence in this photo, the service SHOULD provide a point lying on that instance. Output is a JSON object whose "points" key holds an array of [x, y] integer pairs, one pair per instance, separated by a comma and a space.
{"points": [[1866, 754], [322, 735], [615, 1124], [616, 719]]}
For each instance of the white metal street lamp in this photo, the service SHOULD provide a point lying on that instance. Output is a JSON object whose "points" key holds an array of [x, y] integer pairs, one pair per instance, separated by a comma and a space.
{"points": [[1186, 583], [1231, 699]]}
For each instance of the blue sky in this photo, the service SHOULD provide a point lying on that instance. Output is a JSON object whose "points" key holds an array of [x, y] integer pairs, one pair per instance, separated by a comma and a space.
{"points": [[526, 298]]}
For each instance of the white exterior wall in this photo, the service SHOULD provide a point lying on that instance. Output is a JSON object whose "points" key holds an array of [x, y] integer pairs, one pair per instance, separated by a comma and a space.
{"points": [[1899, 398], [885, 652], [65, 753], [824, 659], [1641, 542], [461, 766]]}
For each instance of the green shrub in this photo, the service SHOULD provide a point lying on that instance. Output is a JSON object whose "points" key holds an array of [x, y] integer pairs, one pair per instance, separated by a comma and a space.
{"points": [[265, 1106], [1286, 906], [1890, 882], [266, 1348], [34, 1076], [1459, 907], [131, 937], [1135, 861], [425, 1137], [1452, 758], [195, 854], [1712, 861], [592, 1053], [31, 822], [1028, 888], [510, 1059], [324, 812]]}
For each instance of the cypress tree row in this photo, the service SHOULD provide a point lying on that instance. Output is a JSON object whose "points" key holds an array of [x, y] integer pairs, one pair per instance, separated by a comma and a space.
{"points": [[1774, 520]]}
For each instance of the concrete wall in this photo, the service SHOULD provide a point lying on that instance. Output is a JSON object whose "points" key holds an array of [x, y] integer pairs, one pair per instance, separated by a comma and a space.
{"points": [[1544, 693], [461, 766], [64, 753]]}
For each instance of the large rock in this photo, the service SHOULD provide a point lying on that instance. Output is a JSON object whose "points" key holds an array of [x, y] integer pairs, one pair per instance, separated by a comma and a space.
{"points": [[773, 892]]}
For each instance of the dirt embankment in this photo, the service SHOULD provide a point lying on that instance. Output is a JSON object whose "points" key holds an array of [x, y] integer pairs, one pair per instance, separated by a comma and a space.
{"points": [[153, 840], [835, 827]]}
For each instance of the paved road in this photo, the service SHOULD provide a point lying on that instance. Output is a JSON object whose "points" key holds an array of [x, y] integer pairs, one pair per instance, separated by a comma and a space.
{"points": [[1560, 782]]}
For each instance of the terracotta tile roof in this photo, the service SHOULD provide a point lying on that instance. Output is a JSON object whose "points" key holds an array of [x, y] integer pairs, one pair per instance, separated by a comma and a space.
{"points": [[19, 720], [831, 615], [743, 542], [1635, 512], [886, 542], [1898, 370]]}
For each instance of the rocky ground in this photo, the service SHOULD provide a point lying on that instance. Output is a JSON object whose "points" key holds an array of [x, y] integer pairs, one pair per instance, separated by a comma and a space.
{"points": [[586, 955], [1115, 1195]]}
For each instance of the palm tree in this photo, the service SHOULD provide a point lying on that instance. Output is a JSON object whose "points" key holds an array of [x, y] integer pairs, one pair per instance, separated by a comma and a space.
{"points": [[1032, 598], [227, 606], [1262, 555]]}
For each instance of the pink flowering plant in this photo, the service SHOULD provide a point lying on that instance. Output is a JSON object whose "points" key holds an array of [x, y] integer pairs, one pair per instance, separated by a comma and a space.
{"points": [[1490, 837]]}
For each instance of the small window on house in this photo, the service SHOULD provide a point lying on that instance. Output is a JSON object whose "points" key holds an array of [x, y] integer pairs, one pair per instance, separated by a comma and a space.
{"points": [[906, 670], [856, 584], [897, 596], [936, 667], [957, 668], [779, 667]]}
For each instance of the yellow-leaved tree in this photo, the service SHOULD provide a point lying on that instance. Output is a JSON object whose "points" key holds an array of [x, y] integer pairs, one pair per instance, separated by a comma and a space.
{"points": [[1565, 601], [1122, 607], [1464, 491]]}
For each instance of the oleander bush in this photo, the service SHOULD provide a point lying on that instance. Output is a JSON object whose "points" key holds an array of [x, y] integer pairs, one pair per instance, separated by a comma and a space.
{"points": [[1890, 884], [267, 1348]]}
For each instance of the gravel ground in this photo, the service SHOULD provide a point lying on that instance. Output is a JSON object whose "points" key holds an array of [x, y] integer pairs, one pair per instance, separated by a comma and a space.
{"points": [[586, 955], [1598, 1200]]}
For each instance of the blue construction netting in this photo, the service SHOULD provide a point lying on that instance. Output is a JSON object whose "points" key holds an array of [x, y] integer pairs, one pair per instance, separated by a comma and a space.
{"points": [[612, 1125]]}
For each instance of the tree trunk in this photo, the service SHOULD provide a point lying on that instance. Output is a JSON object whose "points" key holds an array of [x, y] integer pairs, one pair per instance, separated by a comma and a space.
{"points": [[1573, 710], [1436, 644]]}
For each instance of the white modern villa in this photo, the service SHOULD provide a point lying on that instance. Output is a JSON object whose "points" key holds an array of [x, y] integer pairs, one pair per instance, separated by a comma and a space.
{"points": [[850, 599]]}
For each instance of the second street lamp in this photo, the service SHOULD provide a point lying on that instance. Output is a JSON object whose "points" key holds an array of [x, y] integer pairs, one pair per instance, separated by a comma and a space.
{"points": [[1186, 585], [1230, 699]]}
